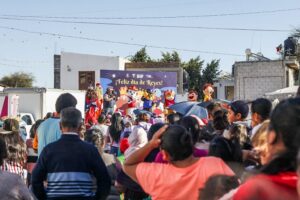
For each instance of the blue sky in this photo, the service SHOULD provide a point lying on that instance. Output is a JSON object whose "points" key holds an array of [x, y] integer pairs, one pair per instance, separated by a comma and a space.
{"points": [[21, 51]]}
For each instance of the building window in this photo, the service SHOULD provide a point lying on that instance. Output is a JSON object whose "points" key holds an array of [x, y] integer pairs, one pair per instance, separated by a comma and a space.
{"points": [[86, 79], [229, 92]]}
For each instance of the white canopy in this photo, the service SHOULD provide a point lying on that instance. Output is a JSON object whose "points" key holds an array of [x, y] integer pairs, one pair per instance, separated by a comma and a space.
{"points": [[288, 90]]}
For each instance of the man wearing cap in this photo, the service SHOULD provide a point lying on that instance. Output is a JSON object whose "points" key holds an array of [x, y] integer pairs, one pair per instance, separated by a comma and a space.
{"points": [[109, 101]]}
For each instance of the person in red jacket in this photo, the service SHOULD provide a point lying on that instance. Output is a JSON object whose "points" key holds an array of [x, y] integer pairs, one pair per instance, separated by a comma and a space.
{"points": [[278, 178]]}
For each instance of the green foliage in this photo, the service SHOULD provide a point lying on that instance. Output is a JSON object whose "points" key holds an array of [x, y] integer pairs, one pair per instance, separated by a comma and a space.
{"points": [[198, 75], [209, 74], [168, 57], [140, 56], [18, 79], [296, 33], [193, 67]]}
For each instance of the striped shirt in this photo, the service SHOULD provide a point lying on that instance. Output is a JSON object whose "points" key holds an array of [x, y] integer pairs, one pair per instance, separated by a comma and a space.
{"points": [[13, 167], [70, 167]]}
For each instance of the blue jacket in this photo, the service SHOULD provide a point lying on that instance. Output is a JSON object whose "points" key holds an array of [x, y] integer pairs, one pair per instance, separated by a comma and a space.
{"points": [[69, 166], [48, 132]]}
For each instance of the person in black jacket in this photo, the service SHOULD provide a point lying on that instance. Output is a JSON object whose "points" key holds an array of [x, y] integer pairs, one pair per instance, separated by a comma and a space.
{"points": [[69, 165]]}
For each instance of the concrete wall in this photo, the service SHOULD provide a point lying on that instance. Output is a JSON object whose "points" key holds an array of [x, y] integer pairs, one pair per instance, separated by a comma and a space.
{"points": [[83, 62], [220, 85], [255, 78]]}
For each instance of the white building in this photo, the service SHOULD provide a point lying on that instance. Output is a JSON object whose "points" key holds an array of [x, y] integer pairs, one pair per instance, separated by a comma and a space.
{"points": [[224, 87], [255, 78], [78, 71]]}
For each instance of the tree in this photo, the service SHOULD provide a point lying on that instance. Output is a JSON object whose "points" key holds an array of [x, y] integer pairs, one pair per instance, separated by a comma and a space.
{"points": [[209, 74], [140, 56], [168, 57], [18, 79], [193, 67], [296, 33]]}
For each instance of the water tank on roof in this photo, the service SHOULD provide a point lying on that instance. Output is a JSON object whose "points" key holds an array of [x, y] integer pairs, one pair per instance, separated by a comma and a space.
{"points": [[290, 46]]}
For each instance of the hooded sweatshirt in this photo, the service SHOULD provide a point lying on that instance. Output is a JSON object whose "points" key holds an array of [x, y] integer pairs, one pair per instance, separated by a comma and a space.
{"points": [[282, 186]]}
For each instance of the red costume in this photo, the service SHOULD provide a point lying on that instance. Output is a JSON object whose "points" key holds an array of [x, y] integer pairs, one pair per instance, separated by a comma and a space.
{"points": [[169, 96]]}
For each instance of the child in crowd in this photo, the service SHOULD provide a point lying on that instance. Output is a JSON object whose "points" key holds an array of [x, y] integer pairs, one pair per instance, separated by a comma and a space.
{"points": [[237, 113], [192, 126], [31, 153], [115, 131], [259, 143], [217, 186], [260, 111], [97, 138]]}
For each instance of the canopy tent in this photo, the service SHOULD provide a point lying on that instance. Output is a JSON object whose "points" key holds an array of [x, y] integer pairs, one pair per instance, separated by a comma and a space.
{"points": [[282, 93]]}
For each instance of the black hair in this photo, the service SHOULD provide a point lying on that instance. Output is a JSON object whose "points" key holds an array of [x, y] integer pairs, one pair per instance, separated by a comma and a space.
{"points": [[65, 100], [177, 142], [241, 107], [34, 127], [191, 124], [153, 129], [212, 106], [3, 151], [220, 120], [96, 137], [285, 122], [218, 185], [101, 118], [71, 118], [173, 118], [143, 117], [48, 115], [116, 127], [262, 107]]}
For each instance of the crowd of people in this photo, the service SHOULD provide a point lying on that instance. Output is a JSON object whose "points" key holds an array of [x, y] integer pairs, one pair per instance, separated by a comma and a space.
{"points": [[244, 150]]}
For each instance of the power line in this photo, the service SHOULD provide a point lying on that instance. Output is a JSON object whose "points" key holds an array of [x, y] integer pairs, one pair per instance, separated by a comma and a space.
{"points": [[17, 66], [25, 61], [160, 17], [116, 42], [149, 25]]}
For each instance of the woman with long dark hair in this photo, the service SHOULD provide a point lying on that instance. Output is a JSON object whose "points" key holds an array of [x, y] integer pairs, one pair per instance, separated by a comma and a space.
{"points": [[16, 148], [278, 178], [115, 131], [12, 186]]}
